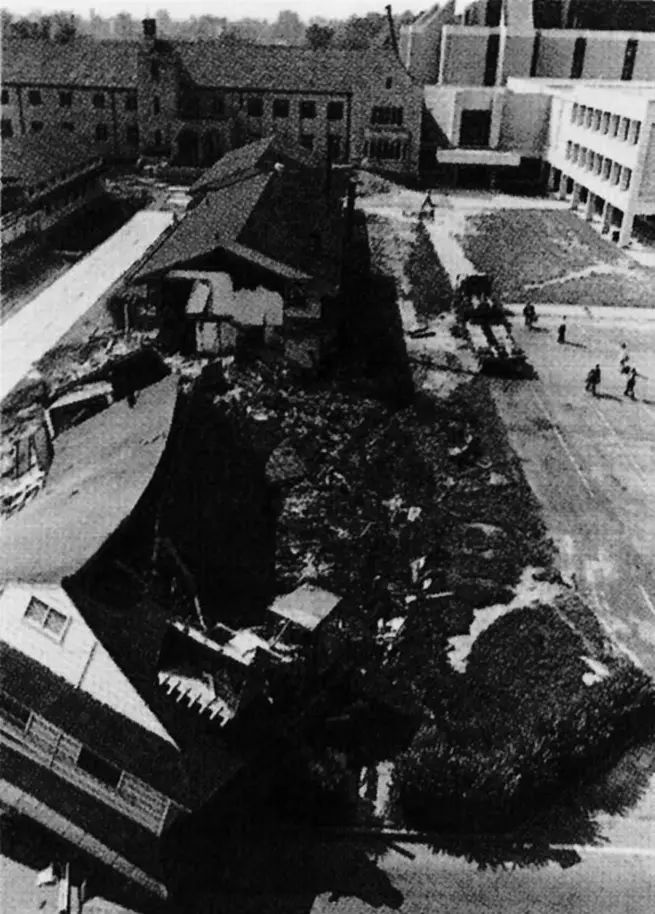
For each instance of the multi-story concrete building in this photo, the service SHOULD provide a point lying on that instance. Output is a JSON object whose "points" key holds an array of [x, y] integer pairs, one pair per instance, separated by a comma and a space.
{"points": [[193, 101], [601, 152], [505, 83]]}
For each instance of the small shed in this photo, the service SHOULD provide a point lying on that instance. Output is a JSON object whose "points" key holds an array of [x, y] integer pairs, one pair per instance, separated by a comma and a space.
{"points": [[306, 606]]}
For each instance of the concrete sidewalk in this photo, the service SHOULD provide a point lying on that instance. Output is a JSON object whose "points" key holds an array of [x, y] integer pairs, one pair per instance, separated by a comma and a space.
{"points": [[28, 335]]}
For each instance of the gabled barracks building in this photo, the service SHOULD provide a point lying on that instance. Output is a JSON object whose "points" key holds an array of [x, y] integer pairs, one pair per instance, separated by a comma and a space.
{"points": [[194, 101]]}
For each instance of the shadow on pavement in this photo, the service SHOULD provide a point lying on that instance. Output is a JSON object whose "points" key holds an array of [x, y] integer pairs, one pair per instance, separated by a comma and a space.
{"points": [[574, 345], [608, 397]]}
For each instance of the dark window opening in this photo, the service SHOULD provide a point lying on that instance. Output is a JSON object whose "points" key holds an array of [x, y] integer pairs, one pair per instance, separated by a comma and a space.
{"points": [[68, 126], [255, 106], [491, 60], [388, 82], [387, 116], [335, 111], [281, 107], [5, 96], [577, 65], [156, 105], [130, 102], [99, 768], [475, 129], [218, 105], [629, 59], [307, 109], [157, 138], [102, 133], [65, 99], [154, 70], [534, 63], [307, 141], [132, 135], [34, 97], [37, 126], [7, 128], [99, 100], [315, 244], [494, 12], [334, 147]]}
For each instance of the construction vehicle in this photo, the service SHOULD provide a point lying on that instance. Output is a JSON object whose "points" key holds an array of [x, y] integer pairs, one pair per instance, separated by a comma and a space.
{"points": [[484, 322]]}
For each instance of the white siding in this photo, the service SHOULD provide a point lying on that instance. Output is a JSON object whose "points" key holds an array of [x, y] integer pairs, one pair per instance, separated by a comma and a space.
{"points": [[78, 658]]}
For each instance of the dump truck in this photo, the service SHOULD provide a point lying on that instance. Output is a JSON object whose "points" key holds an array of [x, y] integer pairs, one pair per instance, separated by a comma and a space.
{"points": [[484, 323]]}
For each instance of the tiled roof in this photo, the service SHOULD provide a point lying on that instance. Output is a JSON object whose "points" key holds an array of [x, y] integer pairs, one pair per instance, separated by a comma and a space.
{"points": [[46, 156], [250, 158], [236, 162], [219, 218], [83, 62], [100, 471], [273, 67]]}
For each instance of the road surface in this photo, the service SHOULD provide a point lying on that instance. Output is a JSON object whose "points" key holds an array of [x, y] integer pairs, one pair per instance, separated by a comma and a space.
{"points": [[591, 461], [27, 335]]}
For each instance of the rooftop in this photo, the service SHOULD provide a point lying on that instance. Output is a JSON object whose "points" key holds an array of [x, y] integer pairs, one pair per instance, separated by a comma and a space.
{"points": [[82, 62], [307, 606], [33, 158], [100, 471], [218, 219], [249, 159]]}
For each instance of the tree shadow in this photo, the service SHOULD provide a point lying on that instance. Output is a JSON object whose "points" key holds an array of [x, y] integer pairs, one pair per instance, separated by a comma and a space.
{"points": [[552, 835], [602, 396], [574, 345], [372, 351]]}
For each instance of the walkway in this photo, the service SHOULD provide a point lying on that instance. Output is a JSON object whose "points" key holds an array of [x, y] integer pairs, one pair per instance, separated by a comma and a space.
{"points": [[28, 335]]}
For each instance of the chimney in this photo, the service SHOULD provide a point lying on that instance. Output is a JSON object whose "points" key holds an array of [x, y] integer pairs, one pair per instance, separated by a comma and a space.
{"points": [[150, 29]]}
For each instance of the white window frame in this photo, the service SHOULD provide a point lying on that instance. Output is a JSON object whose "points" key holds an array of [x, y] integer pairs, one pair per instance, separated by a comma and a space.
{"points": [[40, 626]]}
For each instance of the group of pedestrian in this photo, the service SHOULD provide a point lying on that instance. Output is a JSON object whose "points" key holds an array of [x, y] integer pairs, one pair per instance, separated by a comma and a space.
{"points": [[594, 376]]}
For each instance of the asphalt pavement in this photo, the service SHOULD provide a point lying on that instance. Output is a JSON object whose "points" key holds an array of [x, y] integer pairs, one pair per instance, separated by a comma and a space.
{"points": [[591, 460]]}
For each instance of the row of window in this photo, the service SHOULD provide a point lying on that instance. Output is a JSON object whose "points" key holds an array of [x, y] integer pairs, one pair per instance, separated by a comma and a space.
{"points": [[594, 162], [101, 131], [629, 57], [387, 115], [386, 148], [606, 123], [282, 107], [98, 99], [85, 768]]}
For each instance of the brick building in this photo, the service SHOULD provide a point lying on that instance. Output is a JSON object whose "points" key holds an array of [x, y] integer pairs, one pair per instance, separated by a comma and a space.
{"points": [[193, 101]]}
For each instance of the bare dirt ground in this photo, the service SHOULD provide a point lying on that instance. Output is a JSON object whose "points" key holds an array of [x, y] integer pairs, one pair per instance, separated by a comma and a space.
{"points": [[535, 249]]}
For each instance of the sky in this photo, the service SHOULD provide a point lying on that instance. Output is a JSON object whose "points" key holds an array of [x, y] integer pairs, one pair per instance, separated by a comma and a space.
{"points": [[183, 9]]}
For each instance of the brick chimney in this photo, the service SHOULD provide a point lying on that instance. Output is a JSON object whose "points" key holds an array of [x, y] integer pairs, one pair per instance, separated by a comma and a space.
{"points": [[150, 30]]}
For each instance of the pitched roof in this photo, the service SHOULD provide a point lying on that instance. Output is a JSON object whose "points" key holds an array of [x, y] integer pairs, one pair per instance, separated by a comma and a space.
{"points": [[46, 156], [82, 62], [271, 67], [100, 470], [251, 158], [219, 218]]}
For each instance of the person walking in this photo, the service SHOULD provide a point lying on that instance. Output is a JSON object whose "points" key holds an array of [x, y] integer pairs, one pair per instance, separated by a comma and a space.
{"points": [[593, 380], [561, 332], [624, 360], [630, 385]]}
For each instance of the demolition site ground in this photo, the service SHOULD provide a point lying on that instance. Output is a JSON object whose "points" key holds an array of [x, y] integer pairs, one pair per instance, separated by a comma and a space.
{"points": [[461, 654]]}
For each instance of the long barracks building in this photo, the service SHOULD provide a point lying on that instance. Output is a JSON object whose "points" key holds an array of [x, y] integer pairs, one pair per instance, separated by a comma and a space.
{"points": [[193, 101]]}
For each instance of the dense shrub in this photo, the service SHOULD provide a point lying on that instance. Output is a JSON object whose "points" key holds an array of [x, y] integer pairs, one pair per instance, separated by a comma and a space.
{"points": [[521, 726]]}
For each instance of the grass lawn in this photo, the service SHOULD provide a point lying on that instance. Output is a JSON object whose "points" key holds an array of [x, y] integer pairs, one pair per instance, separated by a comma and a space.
{"points": [[519, 248]]}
